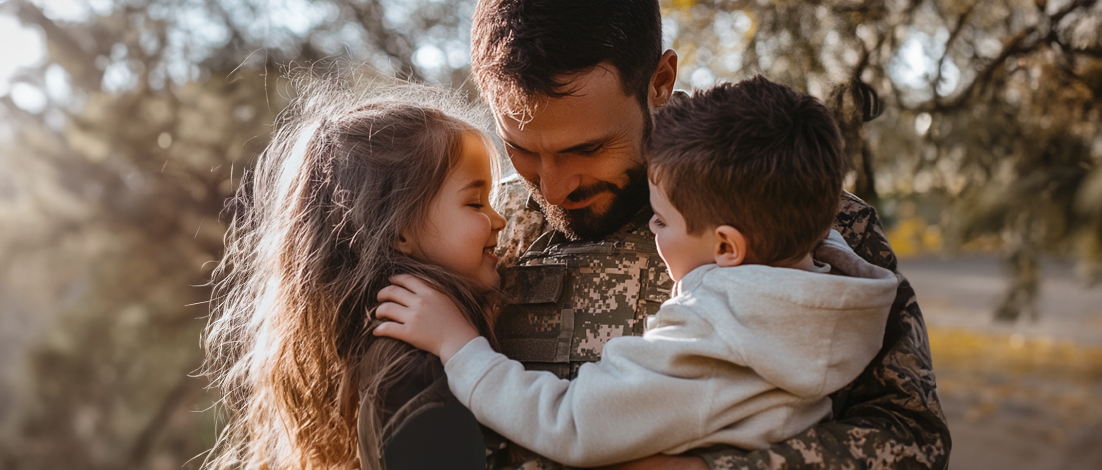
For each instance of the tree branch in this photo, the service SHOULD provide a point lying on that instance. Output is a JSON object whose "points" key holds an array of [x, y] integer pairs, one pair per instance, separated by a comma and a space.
{"points": [[1016, 45], [963, 20], [81, 61], [395, 45]]}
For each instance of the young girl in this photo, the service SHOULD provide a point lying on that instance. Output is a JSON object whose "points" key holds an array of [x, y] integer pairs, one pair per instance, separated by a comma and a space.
{"points": [[348, 194]]}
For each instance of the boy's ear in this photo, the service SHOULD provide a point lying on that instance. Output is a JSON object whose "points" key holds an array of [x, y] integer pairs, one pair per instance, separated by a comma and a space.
{"points": [[731, 246]]}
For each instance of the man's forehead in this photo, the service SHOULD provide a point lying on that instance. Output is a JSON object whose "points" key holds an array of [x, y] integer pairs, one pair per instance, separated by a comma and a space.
{"points": [[519, 104], [595, 109], [560, 133]]}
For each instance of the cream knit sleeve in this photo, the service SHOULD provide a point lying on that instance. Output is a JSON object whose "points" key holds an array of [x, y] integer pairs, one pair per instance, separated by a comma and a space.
{"points": [[647, 395]]}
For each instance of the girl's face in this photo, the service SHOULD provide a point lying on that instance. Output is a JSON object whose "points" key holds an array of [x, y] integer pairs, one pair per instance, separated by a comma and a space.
{"points": [[461, 230]]}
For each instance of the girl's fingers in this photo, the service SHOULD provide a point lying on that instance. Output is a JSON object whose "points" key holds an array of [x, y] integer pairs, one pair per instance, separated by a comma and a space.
{"points": [[397, 294]]}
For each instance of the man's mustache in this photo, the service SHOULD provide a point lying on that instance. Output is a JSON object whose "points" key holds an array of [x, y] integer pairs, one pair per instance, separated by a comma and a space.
{"points": [[585, 192]]}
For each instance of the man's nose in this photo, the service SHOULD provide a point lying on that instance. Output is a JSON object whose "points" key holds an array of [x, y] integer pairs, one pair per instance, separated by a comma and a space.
{"points": [[557, 181]]}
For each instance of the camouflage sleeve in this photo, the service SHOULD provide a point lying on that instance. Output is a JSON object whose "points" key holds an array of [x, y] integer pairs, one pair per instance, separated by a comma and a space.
{"points": [[523, 222], [890, 416]]}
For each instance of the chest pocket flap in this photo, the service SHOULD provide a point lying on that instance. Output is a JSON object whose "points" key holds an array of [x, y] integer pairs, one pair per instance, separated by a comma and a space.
{"points": [[535, 284]]}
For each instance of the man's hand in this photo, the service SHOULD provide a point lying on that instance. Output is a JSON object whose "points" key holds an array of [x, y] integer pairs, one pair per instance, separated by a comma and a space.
{"points": [[661, 462], [422, 317]]}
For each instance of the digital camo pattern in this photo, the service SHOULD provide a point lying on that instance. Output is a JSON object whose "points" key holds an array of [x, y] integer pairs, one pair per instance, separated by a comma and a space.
{"points": [[523, 221], [565, 299], [889, 417]]}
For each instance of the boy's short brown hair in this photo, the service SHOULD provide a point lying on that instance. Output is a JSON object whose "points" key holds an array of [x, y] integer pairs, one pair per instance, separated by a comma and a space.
{"points": [[755, 155]]}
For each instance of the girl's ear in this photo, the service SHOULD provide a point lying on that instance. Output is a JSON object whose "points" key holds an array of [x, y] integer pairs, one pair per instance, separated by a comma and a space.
{"points": [[731, 246], [404, 244]]}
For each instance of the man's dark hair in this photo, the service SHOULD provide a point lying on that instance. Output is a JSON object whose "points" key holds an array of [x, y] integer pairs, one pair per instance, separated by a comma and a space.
{"points": [[755, 155], [520, 49]]}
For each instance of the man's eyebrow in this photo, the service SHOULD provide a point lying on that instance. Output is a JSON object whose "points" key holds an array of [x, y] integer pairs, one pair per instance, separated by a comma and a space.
{"points": [[585, 146], [515, 145], [582, 147]]}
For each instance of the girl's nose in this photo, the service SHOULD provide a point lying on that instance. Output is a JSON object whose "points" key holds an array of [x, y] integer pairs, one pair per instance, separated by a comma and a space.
{"points": [[497, 222]]}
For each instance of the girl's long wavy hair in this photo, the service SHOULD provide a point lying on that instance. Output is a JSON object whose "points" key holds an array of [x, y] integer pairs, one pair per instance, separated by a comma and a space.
{"points": [[310, 244]]}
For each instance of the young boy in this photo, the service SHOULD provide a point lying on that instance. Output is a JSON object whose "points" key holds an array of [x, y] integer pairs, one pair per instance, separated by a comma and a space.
{"points": [[745, 182]]}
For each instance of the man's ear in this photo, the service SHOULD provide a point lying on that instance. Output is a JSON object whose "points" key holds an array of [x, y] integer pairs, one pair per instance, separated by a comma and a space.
{"points": [[731, 246], [661, 84]]}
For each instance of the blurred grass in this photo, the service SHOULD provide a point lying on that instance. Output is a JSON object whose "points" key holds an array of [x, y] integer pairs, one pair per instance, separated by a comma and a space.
{"points": [[1016, 354], [1058, 379], [912, 236]]}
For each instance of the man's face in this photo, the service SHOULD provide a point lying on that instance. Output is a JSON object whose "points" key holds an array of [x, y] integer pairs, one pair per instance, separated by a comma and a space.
{"points": [[581, 155]]}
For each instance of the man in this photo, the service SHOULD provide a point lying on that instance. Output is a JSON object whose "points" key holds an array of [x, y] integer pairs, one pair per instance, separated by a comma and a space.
{"points": [[572, 84]]}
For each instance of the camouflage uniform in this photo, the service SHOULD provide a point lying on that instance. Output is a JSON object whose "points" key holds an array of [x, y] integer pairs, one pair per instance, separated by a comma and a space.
{"points": [[569, 298]]}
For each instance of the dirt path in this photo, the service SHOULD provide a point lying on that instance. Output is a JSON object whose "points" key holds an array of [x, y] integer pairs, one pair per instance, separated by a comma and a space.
{"points": [[1017, 396]]}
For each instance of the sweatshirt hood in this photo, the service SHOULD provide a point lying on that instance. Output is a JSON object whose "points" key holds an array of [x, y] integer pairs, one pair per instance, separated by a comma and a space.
{"points": [[804, 330]]}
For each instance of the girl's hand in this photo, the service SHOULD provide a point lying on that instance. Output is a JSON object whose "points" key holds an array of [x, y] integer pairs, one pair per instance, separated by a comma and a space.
{"points": [[422, 317]]}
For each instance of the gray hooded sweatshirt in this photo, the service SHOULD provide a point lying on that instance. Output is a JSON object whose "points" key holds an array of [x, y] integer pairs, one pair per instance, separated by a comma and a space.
{"points": [[744, 356]]}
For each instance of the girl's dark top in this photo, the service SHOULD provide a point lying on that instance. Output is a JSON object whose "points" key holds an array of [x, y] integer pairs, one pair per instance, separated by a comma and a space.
{"points": [[424, 426]]}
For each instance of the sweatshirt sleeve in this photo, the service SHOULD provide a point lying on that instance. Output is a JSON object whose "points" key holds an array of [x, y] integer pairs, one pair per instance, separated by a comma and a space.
{"points": [[647, 394]]}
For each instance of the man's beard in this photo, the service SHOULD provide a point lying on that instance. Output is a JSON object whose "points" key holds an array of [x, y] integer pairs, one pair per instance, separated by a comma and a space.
{"points": [[584, 224]]}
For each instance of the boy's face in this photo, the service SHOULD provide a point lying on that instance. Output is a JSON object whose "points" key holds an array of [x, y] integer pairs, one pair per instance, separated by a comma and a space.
{"points": [[682, 251]]}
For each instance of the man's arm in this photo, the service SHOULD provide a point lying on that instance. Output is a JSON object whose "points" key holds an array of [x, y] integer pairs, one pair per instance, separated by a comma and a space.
{"points": [[890, 416]]}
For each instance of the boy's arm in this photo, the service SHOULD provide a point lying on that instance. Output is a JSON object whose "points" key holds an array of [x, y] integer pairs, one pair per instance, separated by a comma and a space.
{"points": [[663, 392], [592, 420], [890, 416], [609, 413], [617, 409]]}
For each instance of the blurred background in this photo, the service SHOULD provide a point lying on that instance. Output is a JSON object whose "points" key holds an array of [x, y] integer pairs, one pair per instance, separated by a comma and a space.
{"points": [[125, 124]]}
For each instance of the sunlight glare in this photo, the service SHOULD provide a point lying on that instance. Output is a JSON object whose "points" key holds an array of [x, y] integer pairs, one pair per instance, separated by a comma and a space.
{"points": [[30, 49]]}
